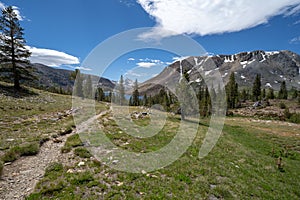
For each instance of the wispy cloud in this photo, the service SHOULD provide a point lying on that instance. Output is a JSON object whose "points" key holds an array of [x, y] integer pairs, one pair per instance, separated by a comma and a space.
{"points": [[296, 22], [131, 59], [128, 3], [295, 40], [51, 57], [204, 17]]}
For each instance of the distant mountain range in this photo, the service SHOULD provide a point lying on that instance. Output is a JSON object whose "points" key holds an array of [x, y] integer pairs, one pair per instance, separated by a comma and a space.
{"points": [[274, 67], [53, 77]]}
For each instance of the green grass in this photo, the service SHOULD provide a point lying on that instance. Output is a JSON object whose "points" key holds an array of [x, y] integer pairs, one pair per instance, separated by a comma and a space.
{"points": [[17, 151], [72, 141], [241, 166], [82, 152]]}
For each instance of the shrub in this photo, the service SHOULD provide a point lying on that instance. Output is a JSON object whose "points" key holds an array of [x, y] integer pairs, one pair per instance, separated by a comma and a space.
{"points": [[82, 178], [53, 167], [295, 118], [282, 105], [287, 113], [11, 155], [72, 141], [82, 152], [29, 149]]}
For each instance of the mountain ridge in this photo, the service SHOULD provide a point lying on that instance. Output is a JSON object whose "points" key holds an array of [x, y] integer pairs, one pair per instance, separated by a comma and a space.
{"points": [[273, 66]]}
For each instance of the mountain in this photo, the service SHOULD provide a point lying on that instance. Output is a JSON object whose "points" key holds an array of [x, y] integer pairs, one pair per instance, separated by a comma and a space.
{"points": [[52, 77], [274, 67]]}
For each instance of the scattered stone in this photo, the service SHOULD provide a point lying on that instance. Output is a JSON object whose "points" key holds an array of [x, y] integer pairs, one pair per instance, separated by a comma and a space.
{"points": [[70, 171], [144, 172], [115, 162], [81, 164], [119, 183]]}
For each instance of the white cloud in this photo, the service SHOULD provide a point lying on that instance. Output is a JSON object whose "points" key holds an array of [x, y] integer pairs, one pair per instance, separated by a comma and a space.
{"points": [[145, 64], [295, 40], [204, 17], [130, 59], [83, 68], [51, 57]]}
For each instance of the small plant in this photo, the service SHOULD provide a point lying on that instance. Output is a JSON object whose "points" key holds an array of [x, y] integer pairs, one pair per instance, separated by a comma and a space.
{"points": [[282, 105], [287, 113], [82, 152], [26, 150], [82, 178], [54, 167], [72, 141], [29, 149]]}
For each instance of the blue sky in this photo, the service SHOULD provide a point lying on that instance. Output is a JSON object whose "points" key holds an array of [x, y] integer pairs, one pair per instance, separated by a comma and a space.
{"points": [[63, 33]]}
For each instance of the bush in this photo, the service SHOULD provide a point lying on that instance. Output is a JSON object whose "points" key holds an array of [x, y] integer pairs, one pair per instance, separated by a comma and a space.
{"points": [[295, 118], [82, 152], [11, 155], [53, 168], [29, 149], [282, 105], [82, 178], [26, 150]]}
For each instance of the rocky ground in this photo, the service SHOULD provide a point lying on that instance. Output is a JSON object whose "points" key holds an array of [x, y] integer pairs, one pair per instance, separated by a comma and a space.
{"points": [[20, 177]]}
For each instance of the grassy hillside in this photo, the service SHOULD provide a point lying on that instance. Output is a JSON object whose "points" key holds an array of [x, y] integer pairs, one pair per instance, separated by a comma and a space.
{"points": [[31, 115], [243, 165]]}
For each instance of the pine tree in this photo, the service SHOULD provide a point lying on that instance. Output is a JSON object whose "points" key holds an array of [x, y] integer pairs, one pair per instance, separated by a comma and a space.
{"points": [[256, 90], [244, 95], [283, 94], [100, 96], [294, 92], [76, 75], [231, 90], [270, 94], [135, 94], [13, 54], [121, 91], [263, 94], [88, 90], [145, 100]]}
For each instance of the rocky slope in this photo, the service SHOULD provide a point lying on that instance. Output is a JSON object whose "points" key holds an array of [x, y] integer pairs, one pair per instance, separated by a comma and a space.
{"points": [[274, 68]]}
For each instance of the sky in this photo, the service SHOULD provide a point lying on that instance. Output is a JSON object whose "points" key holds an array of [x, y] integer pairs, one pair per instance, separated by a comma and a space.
{"points": [[63, 34]]}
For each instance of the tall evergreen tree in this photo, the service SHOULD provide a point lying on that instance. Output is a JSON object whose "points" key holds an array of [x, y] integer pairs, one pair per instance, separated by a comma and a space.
{"points": [[283, 94], [88, 88], [294, 92], [135, 94], [121, 90], [263, 94], [256, 89], [100, 96], [231, 90], [78, 88], [270, 94], [13, 54]]}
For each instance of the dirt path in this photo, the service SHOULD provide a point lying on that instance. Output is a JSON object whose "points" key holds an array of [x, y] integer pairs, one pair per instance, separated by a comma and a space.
{"points": [[20, 177]]}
